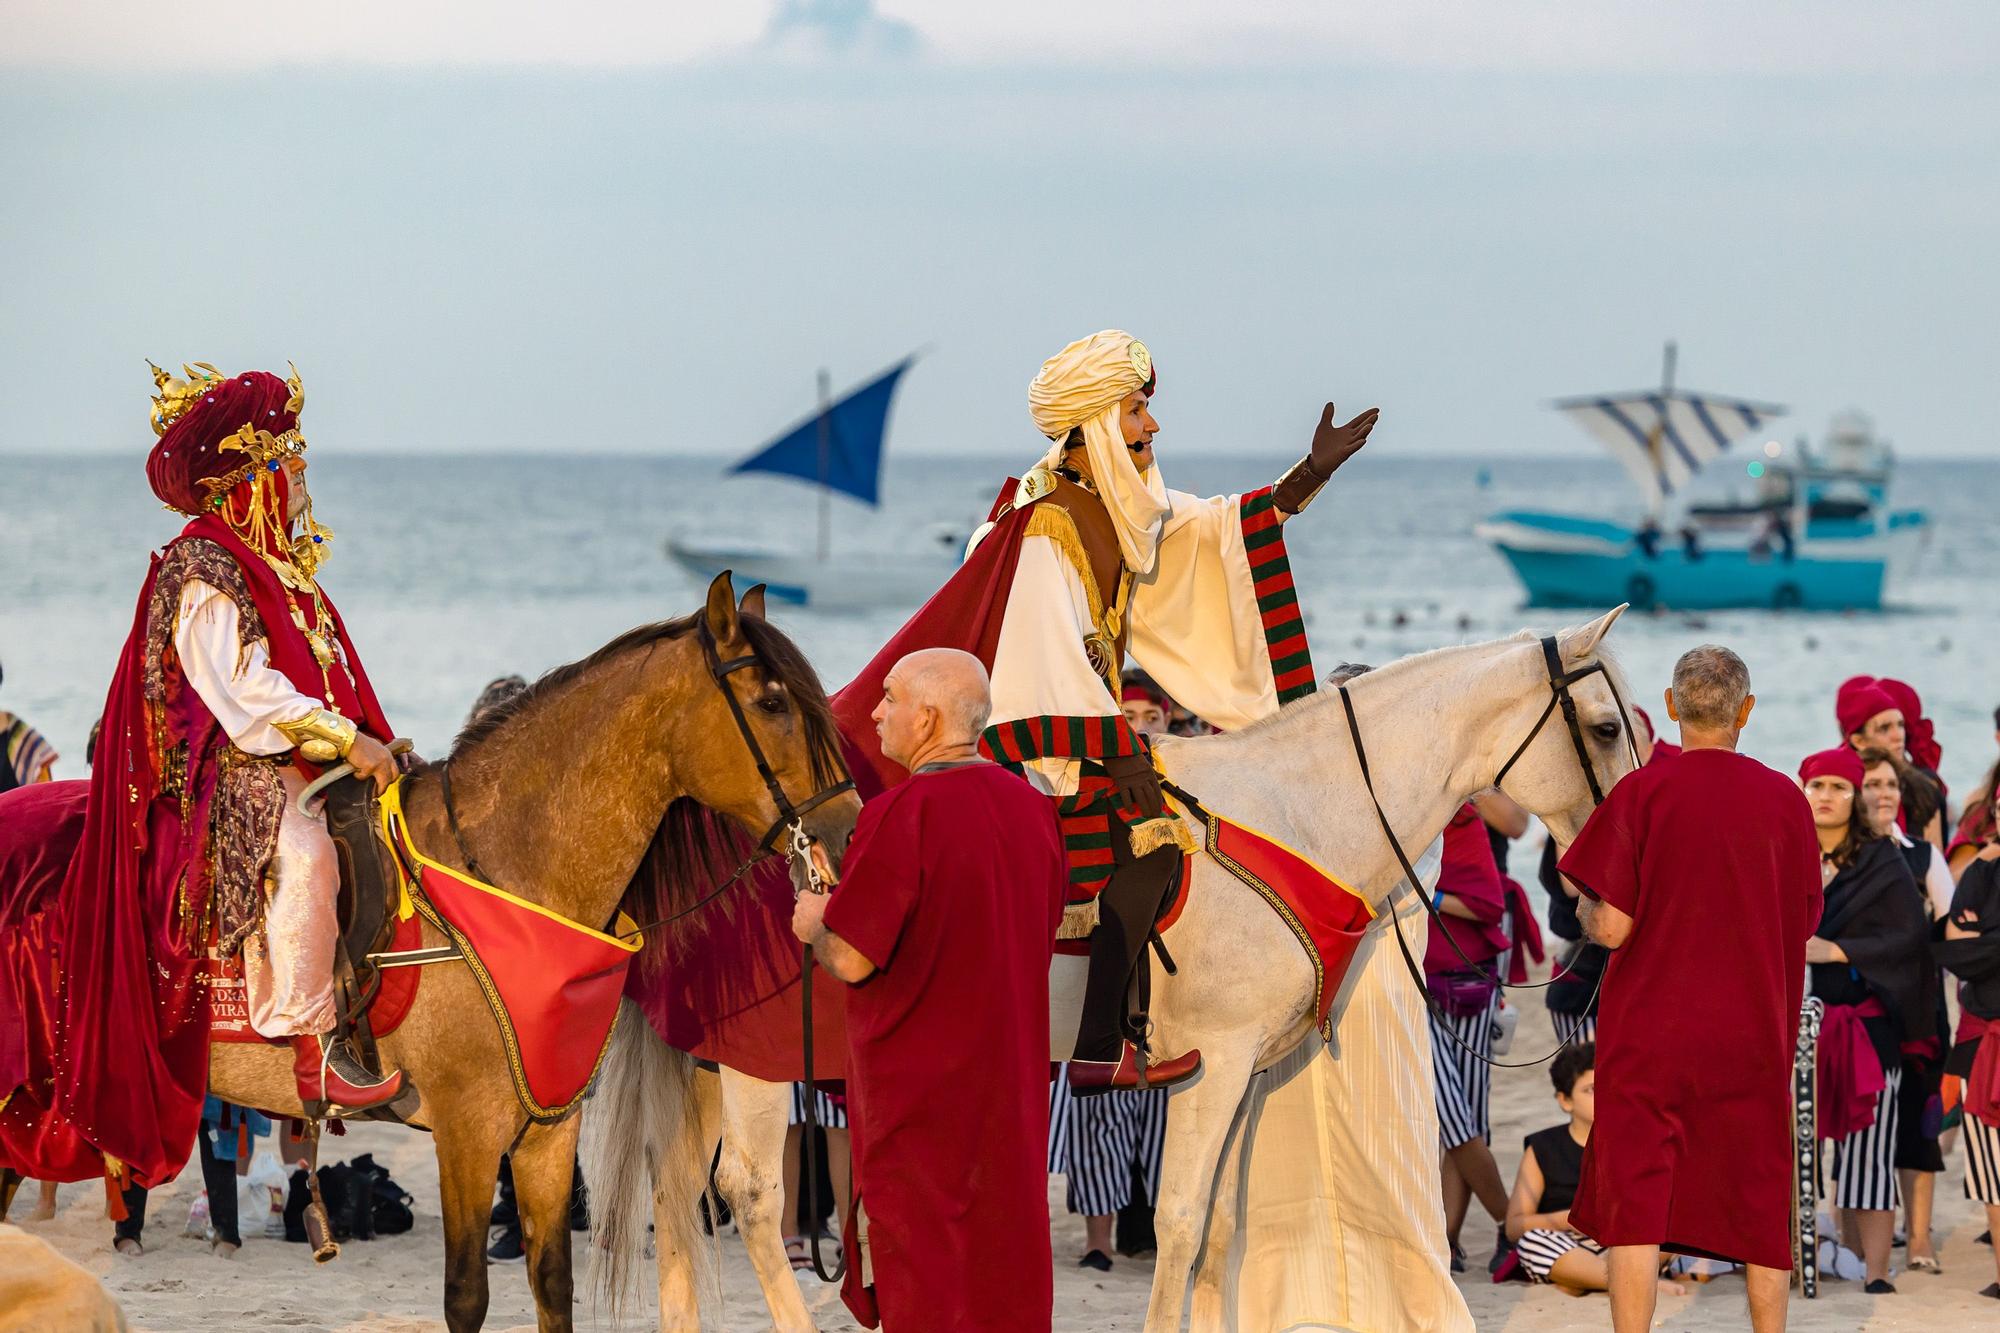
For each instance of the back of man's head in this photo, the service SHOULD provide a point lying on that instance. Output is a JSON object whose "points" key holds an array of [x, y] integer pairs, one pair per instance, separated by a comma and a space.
{"points": [[1710, 685], [955, 684]]}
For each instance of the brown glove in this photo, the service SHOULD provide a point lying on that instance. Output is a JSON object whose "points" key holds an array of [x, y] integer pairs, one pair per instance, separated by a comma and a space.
{"points": [[1138, 784], [1331, 446]]}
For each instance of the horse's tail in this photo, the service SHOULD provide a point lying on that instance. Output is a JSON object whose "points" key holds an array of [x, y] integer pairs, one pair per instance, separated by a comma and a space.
{"points": [[641, 1139]]}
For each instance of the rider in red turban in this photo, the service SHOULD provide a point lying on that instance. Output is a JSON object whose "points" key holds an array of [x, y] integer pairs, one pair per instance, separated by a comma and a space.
{"points": [[238, 681]]}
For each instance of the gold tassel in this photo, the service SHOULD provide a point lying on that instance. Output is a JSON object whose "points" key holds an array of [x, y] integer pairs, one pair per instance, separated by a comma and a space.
{"points": [[1053, 521], [1078, 920], [1164, 831]]}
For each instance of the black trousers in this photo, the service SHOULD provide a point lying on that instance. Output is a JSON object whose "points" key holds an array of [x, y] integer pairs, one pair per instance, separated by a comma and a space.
{"points": [[1116, 994], [218, 1176]]}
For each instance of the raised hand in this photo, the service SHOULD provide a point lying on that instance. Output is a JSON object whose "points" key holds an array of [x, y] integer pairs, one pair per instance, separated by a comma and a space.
{"points": [[1333, 445]]}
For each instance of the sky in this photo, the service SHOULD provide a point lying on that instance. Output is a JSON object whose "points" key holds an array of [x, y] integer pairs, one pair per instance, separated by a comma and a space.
{"points": [[643, 227]]}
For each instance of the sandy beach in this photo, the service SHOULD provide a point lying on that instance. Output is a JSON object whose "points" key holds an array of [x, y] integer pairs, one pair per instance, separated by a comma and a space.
{"points": [[395, 1284]]}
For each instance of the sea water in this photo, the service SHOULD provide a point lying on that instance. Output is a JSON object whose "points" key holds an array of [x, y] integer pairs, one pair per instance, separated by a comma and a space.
{"points": [[451, 571]]}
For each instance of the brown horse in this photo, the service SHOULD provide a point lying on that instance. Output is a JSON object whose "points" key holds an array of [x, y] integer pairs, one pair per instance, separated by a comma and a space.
{"points": [[577, 792]]}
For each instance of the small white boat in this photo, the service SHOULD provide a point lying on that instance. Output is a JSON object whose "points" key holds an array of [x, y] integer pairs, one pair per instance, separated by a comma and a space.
{"points": [[838, 450]]}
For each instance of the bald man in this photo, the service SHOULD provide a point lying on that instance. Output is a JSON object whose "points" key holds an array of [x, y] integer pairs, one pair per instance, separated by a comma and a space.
{"points": [[943, 924]]}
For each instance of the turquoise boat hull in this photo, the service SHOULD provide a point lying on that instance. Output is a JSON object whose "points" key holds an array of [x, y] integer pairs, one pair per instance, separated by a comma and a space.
{"points": [[1565, 560]]}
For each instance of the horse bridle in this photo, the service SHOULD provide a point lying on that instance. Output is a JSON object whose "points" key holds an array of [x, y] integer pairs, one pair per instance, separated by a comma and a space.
{"points": [[1561, 681], [790, 821], [791, 818]]}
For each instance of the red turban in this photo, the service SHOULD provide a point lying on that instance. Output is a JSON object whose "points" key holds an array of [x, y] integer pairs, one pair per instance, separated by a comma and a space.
{"points": [[1861, 698], [196, 418], [1148, 692], [1839, 763], [1921, 737]]}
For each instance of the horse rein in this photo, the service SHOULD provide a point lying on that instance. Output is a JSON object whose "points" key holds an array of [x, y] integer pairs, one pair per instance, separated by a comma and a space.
{"points": [[798, 849], [1560, 682]]}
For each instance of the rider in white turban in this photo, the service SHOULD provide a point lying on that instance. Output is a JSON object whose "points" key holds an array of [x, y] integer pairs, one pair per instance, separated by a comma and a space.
{"points": [[1087, 555]]}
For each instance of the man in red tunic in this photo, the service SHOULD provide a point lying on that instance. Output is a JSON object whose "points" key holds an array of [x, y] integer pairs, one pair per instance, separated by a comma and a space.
{"points": [[1702, 875], [943, 922]]}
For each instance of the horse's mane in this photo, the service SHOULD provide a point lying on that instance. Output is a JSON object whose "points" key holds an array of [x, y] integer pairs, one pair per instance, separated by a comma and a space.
{"points": [[693, 848]]}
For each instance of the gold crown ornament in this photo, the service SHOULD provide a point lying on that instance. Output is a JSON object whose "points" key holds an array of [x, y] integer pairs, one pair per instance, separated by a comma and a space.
{"points": [[176, 396], [265, 450]]}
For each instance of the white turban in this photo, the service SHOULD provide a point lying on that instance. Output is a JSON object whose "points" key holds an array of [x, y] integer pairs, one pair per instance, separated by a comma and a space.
{"points": [[1085, 385]]}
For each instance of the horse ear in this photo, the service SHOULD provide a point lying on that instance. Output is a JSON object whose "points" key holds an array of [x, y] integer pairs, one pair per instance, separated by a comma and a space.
{"points": [[1581, 641], [753, 603], [722, 609]]}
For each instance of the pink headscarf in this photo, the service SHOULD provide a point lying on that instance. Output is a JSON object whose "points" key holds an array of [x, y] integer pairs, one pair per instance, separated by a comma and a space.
{"points": [[1837, 763], [1921, 737], [1860, 698]]}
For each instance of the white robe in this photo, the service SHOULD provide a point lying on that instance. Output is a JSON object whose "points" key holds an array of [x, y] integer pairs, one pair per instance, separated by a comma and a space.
{"points": [[1339, 1218], [288, 960]]}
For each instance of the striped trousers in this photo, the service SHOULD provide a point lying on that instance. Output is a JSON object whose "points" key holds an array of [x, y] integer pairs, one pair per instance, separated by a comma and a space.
{"points": [[1463, 1078], [1097, 1141], [830, 1113], [1577, 1028], [1864, 1163], [1982, 1160]]}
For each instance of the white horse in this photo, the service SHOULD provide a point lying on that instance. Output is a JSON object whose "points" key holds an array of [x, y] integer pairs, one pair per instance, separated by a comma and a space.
{"points": [[1437, 728]]}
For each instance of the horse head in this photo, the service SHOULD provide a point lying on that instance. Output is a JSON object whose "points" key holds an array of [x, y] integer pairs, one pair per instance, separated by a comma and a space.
{"points": [[1563, 764], [770, 754]]}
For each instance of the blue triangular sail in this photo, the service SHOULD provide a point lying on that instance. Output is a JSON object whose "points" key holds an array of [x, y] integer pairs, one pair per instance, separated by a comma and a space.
{"points": [[855, 426]]}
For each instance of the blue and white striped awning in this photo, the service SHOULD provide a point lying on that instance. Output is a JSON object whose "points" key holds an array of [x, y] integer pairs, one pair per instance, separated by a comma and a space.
{"points": [[1664, 437]]}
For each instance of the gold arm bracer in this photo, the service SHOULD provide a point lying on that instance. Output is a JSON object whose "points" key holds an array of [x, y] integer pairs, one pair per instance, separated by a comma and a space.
{"points": [[1296, 489], [321, 736]]}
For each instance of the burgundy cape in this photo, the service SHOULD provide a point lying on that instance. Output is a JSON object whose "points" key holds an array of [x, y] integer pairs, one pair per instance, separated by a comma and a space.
{"points": [[1468, 873], [952, 888], [113, 971], [1715, 859]]}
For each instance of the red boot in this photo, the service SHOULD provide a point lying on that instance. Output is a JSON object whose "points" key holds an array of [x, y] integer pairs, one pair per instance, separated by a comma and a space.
{"points": [[1131, 1070], [329, 1074]]}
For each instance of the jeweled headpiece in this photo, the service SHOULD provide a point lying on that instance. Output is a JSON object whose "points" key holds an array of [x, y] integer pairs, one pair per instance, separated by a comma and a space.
{"points": [[176, 396], [223, 444]]}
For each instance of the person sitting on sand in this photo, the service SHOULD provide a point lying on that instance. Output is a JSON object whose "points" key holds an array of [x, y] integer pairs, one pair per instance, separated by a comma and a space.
{"points": [[1545, 1183]]}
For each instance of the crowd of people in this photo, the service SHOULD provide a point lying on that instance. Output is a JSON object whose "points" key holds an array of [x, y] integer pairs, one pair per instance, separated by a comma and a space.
{"points": [[1707, 894]]}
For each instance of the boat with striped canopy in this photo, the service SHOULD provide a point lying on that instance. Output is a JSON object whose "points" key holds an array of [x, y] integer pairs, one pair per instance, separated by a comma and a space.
{"points": [[1815, 531]]}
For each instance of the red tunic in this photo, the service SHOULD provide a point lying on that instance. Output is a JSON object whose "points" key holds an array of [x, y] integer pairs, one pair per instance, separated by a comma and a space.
{"points": [[952, 888], [1715, 859]]}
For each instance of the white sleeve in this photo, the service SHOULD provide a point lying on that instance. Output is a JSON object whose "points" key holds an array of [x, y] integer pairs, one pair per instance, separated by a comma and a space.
{"points": [[1938, 884], [1040, 667], [237, 682], [1196, 625]]}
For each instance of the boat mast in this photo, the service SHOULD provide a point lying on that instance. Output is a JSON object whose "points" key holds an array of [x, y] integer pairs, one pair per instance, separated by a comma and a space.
{"points": [[825, 462]]}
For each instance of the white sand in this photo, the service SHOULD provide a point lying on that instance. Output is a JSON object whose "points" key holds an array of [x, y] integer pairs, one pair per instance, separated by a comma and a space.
{"points": [[396, 1282]]}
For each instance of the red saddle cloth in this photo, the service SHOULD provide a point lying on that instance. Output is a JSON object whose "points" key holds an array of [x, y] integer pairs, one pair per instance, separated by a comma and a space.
{"points": [[553, 985], [1326, 916]]}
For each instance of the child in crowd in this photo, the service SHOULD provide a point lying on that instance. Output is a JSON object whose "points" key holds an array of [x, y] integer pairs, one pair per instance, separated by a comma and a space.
{"points": [[1538, 1212]]}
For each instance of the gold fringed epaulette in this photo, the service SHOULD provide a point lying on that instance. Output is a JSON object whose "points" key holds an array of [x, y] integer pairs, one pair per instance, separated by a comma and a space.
{"points": [[1054, 522], [1150, 835]]}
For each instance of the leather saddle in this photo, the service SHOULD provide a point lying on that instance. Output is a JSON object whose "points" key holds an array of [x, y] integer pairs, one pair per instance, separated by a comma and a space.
{"points": [[370, 889]]}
